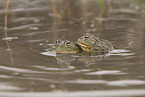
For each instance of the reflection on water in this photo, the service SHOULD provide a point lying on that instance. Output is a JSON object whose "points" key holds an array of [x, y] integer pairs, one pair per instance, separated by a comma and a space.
{"points": [[33, 27]]}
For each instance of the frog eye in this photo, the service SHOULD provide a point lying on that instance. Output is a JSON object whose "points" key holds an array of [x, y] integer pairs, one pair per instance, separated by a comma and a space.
{"points": [[67, 44], [86, 37]]}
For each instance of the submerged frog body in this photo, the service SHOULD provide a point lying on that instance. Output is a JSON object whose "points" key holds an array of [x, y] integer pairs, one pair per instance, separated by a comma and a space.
{"points": [[66, 47], [90, 43]]}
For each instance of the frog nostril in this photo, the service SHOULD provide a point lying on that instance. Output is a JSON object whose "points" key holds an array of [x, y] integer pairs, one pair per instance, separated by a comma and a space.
{"points": [[86, 37], [57, 41]]}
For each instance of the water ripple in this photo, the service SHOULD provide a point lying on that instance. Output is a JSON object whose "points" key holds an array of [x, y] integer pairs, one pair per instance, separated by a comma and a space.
{"points": [[6, 86], [99, 93], [17, 69], [124, 83], [54, 69], [24, 26], [106, 72], [121, 52], [87, 81]]}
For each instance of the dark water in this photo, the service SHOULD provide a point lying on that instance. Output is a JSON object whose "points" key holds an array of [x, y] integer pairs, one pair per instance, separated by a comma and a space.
{"points": [[29, 67]]}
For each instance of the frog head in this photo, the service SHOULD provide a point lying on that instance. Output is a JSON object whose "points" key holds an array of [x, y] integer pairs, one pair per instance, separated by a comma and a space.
{"points": [[66, 47], [87, 42]]}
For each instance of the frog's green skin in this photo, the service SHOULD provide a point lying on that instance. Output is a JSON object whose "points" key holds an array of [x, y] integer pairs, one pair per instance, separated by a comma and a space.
{"points": [[90, 43], [66, 47]]}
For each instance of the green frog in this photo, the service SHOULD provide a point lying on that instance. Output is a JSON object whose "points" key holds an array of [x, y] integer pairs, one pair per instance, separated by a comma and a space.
{"points": [[67, 47], [91, 43]]}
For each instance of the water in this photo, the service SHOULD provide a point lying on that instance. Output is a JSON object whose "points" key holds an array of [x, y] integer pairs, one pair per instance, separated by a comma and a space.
{"points": [[29, 67]]}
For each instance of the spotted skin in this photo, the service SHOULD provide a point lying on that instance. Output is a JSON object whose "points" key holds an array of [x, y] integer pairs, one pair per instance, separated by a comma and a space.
{"points": [[90, 43]]}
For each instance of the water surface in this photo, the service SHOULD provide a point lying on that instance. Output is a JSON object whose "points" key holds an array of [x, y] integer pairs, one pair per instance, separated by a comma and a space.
{"points": [[29, 67]]}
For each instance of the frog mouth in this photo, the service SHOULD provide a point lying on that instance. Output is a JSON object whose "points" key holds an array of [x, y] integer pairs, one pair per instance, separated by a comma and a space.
{"points": [[84, 45]]}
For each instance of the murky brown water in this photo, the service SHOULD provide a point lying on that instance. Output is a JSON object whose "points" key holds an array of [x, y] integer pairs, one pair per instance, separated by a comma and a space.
{"points": [[29, 67]]}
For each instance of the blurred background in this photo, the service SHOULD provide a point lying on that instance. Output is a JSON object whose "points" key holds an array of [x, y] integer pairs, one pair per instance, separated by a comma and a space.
{"points": [[29, 67]]}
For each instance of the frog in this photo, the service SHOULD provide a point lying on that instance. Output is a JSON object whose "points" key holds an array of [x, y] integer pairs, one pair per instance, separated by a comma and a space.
{"points": [[91, 43], [67, 46]]}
